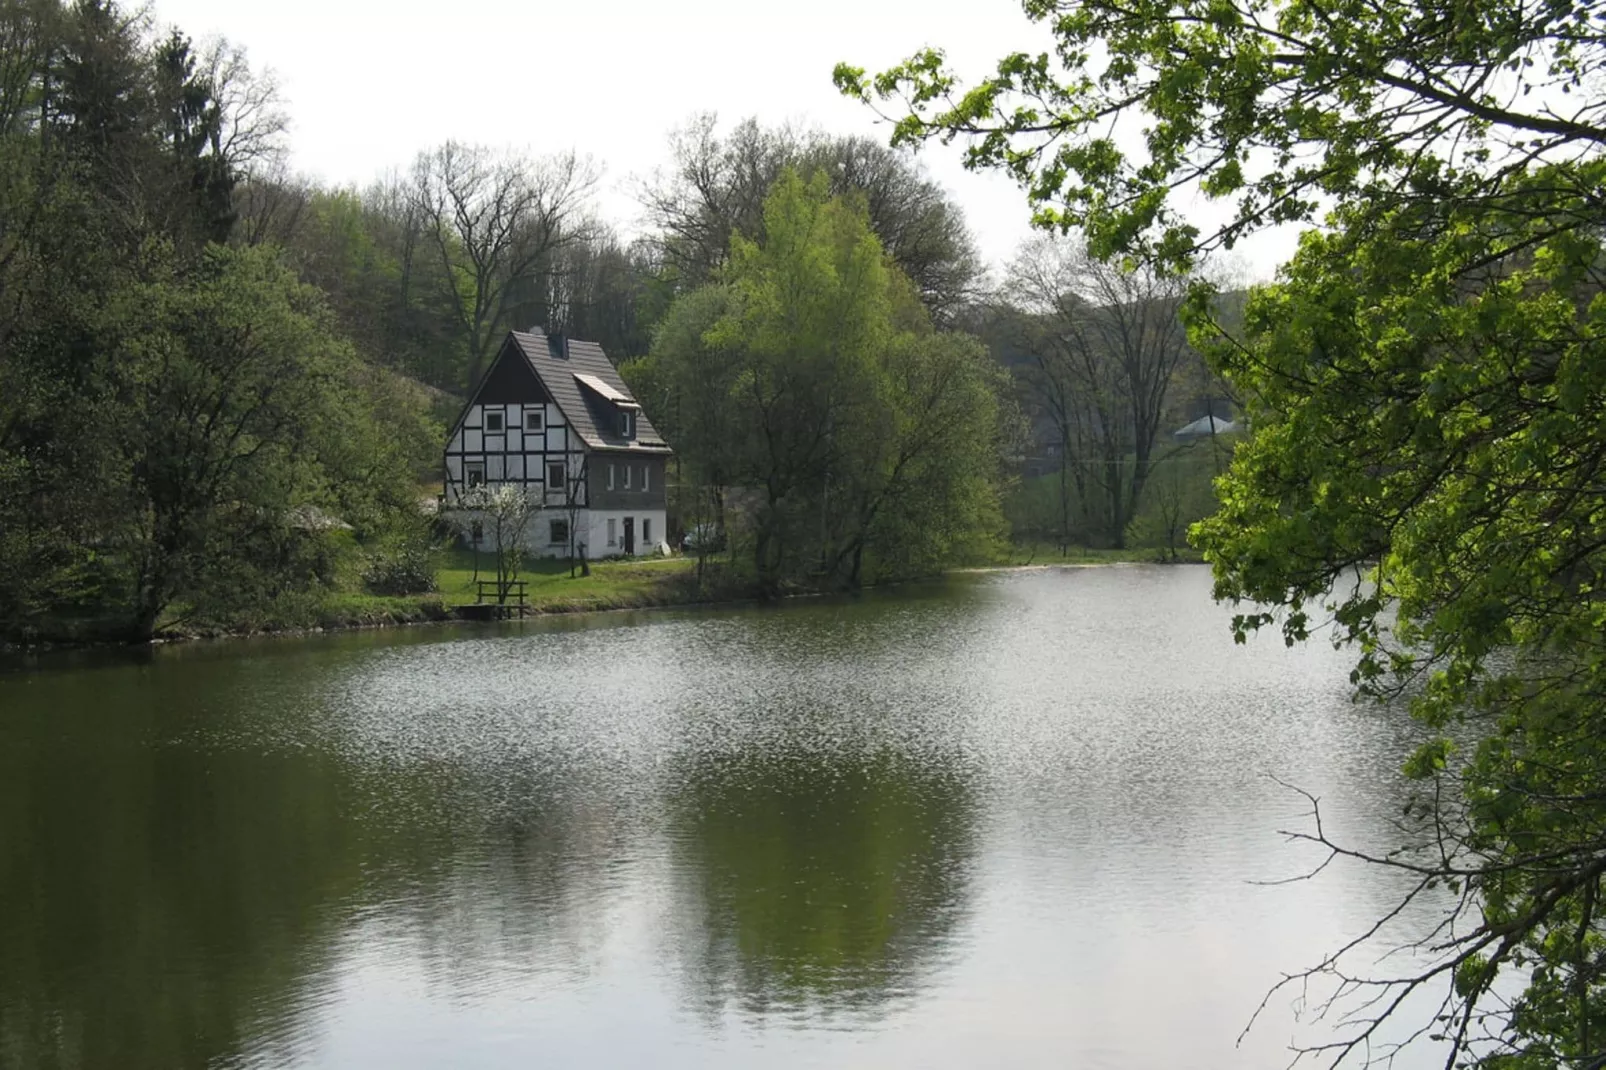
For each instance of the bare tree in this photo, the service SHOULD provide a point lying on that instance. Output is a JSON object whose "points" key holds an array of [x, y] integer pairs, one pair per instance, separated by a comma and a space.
{"points": [[1106, 343], [716, 184], [250, 137], [575, 486], [270, 206], [492, 219]]}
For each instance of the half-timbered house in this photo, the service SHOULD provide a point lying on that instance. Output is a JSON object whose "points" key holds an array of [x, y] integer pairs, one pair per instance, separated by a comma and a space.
{"points": [[552, 415]]}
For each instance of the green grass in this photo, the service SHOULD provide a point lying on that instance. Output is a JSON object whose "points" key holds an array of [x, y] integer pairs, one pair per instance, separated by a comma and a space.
{"points": [[651, 581]]}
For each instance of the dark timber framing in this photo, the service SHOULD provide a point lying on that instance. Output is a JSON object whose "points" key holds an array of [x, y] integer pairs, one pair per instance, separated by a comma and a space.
{"points": [[580, 399]]}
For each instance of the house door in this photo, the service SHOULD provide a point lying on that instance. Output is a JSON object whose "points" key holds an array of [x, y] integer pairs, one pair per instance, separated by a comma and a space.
{"points": [[630, 535]]}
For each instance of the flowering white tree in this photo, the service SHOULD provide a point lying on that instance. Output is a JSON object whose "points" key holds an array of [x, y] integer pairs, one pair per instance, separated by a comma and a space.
{"points": [[504, 512]]}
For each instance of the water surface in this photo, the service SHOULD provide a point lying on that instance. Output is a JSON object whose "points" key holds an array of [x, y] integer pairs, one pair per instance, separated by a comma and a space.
{"points": [[1012, 820]]}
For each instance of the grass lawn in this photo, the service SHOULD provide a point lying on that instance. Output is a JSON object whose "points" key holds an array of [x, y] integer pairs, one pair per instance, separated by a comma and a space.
{"points": [[646, 581]]}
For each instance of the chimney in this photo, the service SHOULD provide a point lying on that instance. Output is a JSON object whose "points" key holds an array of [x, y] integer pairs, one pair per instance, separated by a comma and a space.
{"points": [[558, 344]]}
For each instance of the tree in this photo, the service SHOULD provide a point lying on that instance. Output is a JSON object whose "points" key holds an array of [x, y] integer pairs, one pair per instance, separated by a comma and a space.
{"points": [[246, 407], [812, 378], [1107, 342], [509, 509], [688, 384], [1283, 108], [575, 486], [717, 187], [1436, 420], [491, 220], [1426, 388]]}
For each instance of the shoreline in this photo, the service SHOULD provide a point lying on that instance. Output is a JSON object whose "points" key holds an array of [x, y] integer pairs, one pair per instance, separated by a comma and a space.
{"points": [[433, 612]]}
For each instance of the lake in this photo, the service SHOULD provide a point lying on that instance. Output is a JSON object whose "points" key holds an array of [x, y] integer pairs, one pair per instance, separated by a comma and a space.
{"points": [[1016, 819]]}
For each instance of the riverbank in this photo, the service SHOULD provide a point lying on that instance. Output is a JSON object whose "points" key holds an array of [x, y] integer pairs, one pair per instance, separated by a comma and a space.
{"points": [[643, 583], [549, 589], [647, 583], [1023, 555]]}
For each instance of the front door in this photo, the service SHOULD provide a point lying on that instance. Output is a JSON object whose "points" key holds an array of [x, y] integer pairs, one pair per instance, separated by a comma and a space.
{"points": [[630, 535]]}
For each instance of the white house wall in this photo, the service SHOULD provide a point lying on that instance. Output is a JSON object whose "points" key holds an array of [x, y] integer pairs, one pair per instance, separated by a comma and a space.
{"points": [[514, 455], [590, 526], [596, 530]]}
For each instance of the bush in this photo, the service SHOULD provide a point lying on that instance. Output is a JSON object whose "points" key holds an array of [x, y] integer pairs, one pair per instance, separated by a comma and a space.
{"points": [[402, 568]]}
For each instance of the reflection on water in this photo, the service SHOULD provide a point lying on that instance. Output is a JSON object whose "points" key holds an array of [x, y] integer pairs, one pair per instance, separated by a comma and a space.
{"points": [[1009, 820], [819, 888]]}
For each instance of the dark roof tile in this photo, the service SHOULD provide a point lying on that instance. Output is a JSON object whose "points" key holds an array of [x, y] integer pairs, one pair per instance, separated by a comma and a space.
{"points": [[582, 409]]}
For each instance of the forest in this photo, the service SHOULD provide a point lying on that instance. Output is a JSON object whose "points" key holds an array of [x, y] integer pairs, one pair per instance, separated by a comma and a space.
{"points": [[224, 387]]}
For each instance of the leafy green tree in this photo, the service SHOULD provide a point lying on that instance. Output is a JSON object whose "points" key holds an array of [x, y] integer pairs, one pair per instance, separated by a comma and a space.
{"points": [[1426, 387], [810, 379], [1279, 108], [687, 384], [181, 427], [245, 409], [1428, 399]]}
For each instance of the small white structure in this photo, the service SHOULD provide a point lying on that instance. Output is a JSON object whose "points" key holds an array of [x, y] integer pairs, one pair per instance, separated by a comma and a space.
{"points": [[552, 415], [1205, 426]]}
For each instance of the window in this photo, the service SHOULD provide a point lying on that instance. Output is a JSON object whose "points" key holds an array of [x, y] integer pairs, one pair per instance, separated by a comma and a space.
{"points": [[554, 476], [477, 531], [560, 532], [611, 467], [532, 419], [646, 484], [474, 473], [627, 423], [646, 530], [493, 422], [613, 532], [627, 477]]}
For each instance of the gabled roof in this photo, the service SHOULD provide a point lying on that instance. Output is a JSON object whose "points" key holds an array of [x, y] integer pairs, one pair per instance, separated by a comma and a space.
{"points": [[588, 411]]}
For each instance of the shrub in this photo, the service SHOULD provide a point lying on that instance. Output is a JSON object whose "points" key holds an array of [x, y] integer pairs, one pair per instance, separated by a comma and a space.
{"points": [[406, 567]]}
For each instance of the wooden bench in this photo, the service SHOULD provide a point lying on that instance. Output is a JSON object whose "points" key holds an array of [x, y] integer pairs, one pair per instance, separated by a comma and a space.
{"points": [[513, 591]]}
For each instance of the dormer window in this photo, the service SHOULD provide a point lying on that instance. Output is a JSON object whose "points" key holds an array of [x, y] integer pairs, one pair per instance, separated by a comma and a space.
{"points": [[624, 409]]}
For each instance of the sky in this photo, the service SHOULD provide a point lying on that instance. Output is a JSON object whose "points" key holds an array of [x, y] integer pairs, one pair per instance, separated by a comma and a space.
{"points": [[370, 84]]}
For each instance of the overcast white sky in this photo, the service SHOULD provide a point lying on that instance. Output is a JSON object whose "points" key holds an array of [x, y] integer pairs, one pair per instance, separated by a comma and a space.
{"points": [[370, 83]]}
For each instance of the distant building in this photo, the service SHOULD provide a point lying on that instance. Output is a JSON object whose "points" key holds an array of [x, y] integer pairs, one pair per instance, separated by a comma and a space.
{"points": [[551, 415], [1204, 427]]}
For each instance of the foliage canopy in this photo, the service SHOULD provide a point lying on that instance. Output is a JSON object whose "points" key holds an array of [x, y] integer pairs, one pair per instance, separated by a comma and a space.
{"points": [[809, 384], [1426, 384]]}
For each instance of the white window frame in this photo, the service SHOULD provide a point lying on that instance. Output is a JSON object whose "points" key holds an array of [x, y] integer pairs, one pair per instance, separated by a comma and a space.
{"points": [[613, 532], [562, 471], [646, 531], [627, 475], [501, 424], [611, 467], [472, 469], [646, 477], [534, 419]]}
